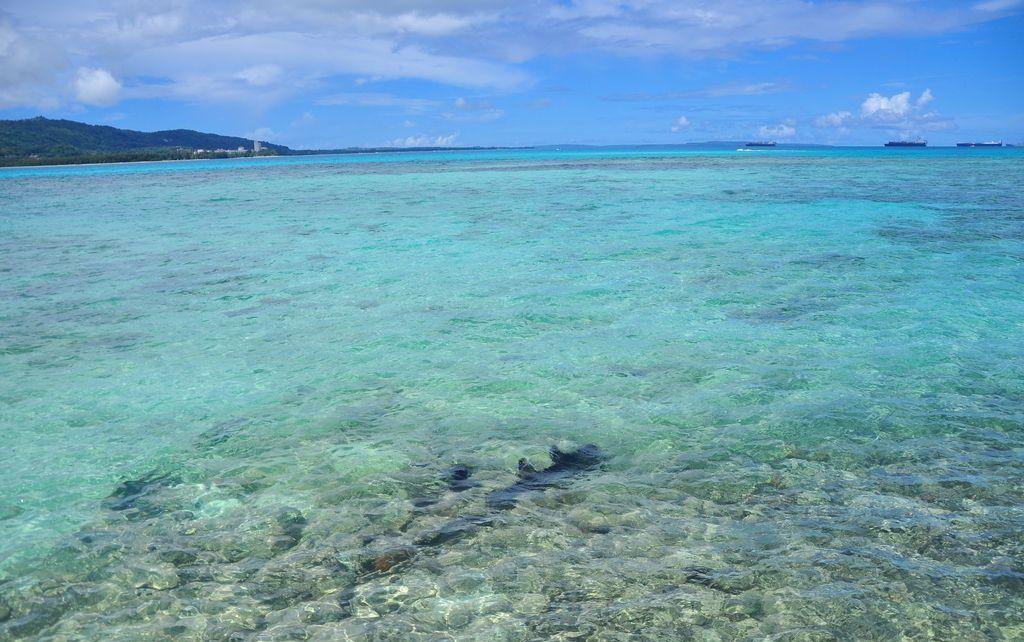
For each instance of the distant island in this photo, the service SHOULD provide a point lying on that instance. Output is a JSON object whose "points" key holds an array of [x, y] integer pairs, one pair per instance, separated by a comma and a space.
{"points": [[45, 141], [42, 141]]}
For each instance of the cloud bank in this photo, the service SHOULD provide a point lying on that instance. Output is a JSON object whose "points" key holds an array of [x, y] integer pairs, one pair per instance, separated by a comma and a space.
{"points": [[262, 51], [423, 140], [785, 130], [899, 112]]}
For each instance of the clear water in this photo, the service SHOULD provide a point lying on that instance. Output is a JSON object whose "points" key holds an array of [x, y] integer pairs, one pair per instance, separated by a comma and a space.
{"points": [[805, 367]]}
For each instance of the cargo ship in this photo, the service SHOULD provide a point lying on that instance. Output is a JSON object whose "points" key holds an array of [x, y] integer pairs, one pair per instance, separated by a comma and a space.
{"points": [[907, 143], [988, 143], [760, 143]]}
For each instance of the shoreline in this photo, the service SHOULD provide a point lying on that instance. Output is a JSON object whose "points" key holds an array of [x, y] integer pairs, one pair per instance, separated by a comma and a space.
{"points": [[711, 146], [397, 150]]}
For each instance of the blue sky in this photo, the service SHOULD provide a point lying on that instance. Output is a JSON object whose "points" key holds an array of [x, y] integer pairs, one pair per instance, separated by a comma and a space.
{"points": [[322, 73]]}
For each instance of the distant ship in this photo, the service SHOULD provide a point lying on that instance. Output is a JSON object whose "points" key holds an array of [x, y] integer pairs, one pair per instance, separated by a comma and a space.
{"points": [[907, 143], [988, 143], [760, 143]]}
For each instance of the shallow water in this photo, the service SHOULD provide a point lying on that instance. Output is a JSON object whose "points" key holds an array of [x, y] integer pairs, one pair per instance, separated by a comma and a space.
{"points": [[804, 367]]}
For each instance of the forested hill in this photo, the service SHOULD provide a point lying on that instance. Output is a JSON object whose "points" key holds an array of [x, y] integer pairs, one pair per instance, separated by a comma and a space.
{"points": [[43, 137]]}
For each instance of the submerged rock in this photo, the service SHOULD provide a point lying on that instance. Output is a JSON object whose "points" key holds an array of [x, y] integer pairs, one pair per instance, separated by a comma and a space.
{"points": [[385, 561], [158, 577], [128, 494], [178, 556], [454, 530], [458, 478], [564, 466]]}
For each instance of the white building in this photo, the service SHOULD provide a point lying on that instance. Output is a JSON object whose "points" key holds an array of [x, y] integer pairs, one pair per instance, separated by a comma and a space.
{"points": [[256, 146]]}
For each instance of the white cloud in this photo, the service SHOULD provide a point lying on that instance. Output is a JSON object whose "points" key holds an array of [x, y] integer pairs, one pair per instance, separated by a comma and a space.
{"points": [[207, 69], [439, 24], [480, 111], [716, 91], [28, 67], [680, 124], [886, 107], [702, 29], [894, 109], [373, 99], [140, 26], [899, 112], [96, 87], [250, 51], [996, 5], [785, 129], [835, 119], [476, 116], [423, 140], [748, 89], [261, 133], [260, 75], [462, 103]]}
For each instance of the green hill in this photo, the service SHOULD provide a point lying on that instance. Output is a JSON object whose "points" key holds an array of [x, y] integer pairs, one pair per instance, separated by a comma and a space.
{"points": [[42, 139]]}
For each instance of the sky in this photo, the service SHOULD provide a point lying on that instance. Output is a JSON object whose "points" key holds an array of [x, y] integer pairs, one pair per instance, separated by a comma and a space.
{"points": [[362, 73]]}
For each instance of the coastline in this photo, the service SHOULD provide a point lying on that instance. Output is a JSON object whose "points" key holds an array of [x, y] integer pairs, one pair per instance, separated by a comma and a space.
{"points": [[714, 146], [325, 152]]}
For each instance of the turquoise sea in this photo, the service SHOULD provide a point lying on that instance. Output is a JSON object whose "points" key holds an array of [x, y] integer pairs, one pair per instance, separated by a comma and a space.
{"points": [[232, 394]]}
